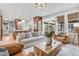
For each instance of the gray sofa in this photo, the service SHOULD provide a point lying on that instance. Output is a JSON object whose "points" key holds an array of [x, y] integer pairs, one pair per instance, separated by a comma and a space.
{"points": [[30, 38]]}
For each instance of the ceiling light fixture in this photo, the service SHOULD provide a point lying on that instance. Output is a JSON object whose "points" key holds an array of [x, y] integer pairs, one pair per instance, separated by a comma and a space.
{"points": [[40, 5]]}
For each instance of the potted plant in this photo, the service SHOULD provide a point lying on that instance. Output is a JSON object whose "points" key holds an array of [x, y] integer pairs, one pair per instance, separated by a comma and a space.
{"points": [[48, 36]]}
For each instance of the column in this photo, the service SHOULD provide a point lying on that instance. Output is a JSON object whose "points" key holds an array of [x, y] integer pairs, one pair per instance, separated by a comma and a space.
{"points": [[56, 26], [65, 23]]}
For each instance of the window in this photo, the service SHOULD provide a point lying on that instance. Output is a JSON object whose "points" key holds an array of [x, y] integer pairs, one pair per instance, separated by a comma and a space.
{"points": [[70, 27]]}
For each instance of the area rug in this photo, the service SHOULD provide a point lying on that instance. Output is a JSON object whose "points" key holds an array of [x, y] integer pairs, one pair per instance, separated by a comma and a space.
{"points": [[69, 50]]}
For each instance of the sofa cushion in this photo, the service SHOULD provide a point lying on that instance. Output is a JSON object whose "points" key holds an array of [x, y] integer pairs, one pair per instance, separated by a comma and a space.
{"points": [[27, 40], [32, 39], [22, 35], [13, 48], [40, 37], [34, 34], [28, 35]]}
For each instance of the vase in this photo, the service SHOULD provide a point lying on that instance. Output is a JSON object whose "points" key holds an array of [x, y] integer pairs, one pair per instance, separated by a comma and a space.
{"points": [[48, 41]]}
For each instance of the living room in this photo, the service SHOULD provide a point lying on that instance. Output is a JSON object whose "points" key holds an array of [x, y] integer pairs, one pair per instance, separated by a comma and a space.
{"points": [[39, 29]]}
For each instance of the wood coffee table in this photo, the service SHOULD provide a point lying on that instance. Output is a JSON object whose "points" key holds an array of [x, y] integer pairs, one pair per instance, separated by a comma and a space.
{"points": [[41, 50]]}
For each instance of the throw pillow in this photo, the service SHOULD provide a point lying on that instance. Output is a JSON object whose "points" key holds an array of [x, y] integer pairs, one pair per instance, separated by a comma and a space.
{"points": [[34, 34], [28, 35]]}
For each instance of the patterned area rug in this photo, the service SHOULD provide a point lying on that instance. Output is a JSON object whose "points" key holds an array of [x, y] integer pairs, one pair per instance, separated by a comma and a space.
{"points": [[69, 50]]}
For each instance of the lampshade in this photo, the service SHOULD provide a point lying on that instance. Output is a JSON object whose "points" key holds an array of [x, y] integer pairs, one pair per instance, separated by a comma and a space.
{"points": [[75, 24]]}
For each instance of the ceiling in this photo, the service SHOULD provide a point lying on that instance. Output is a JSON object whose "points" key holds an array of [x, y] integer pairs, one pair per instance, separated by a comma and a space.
{"points": [[28, 11]]}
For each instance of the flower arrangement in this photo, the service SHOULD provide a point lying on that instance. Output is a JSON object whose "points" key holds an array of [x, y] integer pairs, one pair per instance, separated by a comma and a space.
{"points": [[49, 33]]}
